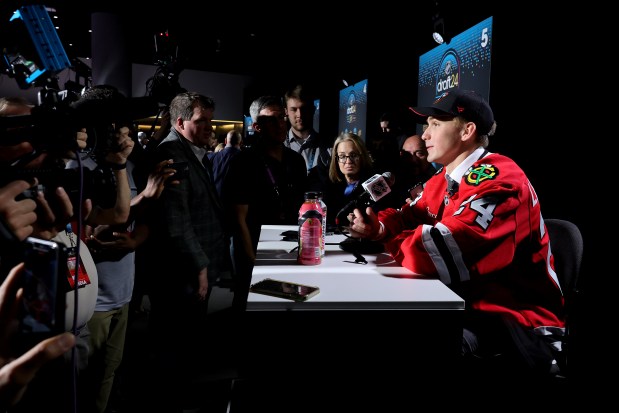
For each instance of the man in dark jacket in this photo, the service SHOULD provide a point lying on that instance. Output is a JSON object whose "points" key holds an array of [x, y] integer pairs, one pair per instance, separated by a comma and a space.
{"points": [[188, 246]]}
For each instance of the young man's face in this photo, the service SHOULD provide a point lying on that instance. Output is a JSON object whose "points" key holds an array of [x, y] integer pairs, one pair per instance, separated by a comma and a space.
{"points": [[300, 114], [442, 137]]}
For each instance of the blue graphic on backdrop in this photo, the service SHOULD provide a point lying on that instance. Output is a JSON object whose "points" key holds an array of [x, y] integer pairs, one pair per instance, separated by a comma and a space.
{"points": [[448, 75], [353, 108], [463, 63]]}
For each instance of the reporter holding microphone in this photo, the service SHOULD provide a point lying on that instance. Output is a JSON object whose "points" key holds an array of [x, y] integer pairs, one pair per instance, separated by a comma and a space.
{"points": [[350, 168]]}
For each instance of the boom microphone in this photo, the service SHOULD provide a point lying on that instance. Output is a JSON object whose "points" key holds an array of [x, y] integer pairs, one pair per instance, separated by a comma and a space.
{"points": [[89, 112], [376, 188]]}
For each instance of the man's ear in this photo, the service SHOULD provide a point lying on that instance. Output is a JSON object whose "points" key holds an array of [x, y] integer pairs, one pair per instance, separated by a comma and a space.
{"points": [[468, 130], [256, 127], [180, 124]]}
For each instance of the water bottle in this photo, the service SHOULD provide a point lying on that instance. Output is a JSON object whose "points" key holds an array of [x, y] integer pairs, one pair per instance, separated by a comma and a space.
{"points": [[310, 231], [324, 221]]}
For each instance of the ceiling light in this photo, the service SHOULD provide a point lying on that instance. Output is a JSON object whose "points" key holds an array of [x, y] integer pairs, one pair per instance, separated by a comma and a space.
{"points": [[437, 37], [439, 30]]}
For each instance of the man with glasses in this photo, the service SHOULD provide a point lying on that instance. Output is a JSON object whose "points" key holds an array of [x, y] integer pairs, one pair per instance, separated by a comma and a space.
{"points": [[413, 168]]}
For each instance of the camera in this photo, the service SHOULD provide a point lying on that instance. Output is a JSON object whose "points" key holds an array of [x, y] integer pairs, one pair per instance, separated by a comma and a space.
{"points": [[52, 129], [99, 184]]}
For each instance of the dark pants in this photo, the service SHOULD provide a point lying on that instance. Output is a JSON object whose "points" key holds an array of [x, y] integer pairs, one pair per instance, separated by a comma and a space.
{"points": [[499, 344], [177, 331]]}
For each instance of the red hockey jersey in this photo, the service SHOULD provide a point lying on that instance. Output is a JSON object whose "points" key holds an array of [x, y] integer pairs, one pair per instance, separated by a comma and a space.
{"points": [[486, 239]]}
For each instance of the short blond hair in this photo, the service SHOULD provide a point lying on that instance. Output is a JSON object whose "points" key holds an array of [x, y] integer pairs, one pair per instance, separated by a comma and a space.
{"points": [[365, 160]]}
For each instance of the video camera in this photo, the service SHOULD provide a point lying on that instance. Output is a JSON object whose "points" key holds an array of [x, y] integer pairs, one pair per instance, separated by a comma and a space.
{"points": [[53, 130]]}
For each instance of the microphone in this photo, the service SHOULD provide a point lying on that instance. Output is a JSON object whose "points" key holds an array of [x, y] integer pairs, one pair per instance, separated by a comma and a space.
{"points": [[93, 112], [376, 188]]}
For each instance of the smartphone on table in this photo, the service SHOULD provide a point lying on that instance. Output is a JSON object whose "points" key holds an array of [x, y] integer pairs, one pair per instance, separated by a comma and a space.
{"points": [[284, 289]]}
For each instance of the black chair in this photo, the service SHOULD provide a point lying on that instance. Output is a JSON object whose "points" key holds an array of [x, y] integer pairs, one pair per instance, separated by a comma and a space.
{"points": [[566, 244], [505, 363]]}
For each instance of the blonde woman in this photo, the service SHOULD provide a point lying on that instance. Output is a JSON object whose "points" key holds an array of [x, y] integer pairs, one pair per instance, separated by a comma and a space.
{"points": [[350, 166]]}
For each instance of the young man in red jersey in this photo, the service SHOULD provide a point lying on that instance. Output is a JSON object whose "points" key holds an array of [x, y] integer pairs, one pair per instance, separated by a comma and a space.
{"points": [[477, 226]]}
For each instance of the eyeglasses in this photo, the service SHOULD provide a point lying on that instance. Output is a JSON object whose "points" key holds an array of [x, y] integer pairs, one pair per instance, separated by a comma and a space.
{"points": [[420, 153], [353, 157]]}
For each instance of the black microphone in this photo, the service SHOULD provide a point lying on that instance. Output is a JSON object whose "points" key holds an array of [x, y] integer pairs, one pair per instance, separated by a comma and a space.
{"points": [[376, 188], [87, 112]]}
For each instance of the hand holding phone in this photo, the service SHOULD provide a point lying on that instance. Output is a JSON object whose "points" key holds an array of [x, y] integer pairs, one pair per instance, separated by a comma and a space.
{"points": [[182, 170], [43, 299], [17, 372]]}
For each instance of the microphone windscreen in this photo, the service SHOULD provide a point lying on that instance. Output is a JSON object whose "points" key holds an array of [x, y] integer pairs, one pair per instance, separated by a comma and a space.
{"points": [[377, 187], [98, 111], [389, 177]]}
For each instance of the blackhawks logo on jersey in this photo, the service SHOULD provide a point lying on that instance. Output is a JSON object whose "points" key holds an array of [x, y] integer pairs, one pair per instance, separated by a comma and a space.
{"points": [[477, 174]]}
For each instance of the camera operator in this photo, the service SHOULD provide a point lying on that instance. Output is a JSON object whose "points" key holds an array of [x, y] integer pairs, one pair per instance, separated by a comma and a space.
{"points": [[34, 214], [15, 160]]}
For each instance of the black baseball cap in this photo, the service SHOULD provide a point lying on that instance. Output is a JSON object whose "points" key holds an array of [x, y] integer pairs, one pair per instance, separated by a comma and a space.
{"points": [[466, 103]]}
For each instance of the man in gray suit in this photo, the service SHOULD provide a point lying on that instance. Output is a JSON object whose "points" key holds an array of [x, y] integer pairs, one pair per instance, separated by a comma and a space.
{"points": [[188, 245]]}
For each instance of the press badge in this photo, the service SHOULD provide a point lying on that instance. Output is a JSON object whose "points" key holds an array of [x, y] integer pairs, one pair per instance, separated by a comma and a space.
{"points": [[82, 276]]}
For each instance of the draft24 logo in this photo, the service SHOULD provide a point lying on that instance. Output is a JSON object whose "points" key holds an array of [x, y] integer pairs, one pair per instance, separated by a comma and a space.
{"points": [[448, 75]]}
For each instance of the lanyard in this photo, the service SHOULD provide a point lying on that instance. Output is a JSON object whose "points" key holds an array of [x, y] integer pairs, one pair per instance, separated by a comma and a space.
{"points": [[272, 178]]}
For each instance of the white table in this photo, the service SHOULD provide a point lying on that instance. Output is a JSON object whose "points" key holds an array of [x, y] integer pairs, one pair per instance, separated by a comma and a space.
{"points": [[381, 284], [372, 334]]}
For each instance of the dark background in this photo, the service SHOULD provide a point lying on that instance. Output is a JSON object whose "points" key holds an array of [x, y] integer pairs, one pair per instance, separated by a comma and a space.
{"points": [[543, 77]]}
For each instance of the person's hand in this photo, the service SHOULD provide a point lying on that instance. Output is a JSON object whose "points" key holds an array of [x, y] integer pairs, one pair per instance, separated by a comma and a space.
{"points": [[86, 208], [10, 153], [364, 226], [158, 179], [82, 138], [19, 216], [108, 238], [34, 217], [202, 284], [124, 147], [16, 373], [50, 220], [22, 154]]}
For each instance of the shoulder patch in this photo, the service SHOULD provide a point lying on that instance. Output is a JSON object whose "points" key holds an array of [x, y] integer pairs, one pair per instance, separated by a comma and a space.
{"points": [[477, 174]]}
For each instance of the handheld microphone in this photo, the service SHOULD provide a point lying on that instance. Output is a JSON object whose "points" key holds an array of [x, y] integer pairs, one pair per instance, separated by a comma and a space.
{"points": [[376, 188]]}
